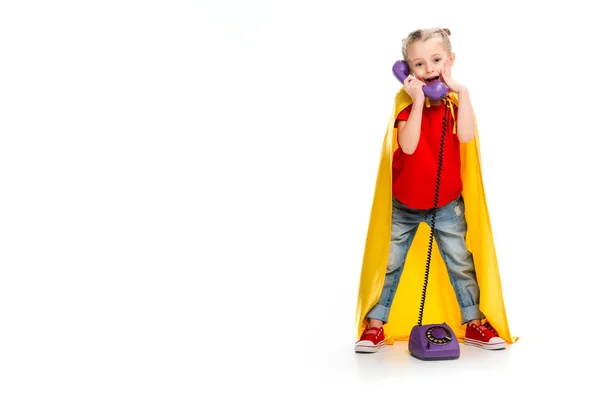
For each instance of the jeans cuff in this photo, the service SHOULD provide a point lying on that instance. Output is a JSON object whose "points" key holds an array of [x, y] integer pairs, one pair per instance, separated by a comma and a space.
{"points": [[470, 313], [379, 312]]}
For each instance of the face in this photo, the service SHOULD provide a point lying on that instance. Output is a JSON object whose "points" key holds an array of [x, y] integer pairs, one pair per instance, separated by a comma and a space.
{"points": [[426, 59]]}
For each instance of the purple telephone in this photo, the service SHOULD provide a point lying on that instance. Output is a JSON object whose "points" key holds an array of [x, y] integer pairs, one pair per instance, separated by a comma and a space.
{"points": [[435, 90], [433, 341]]}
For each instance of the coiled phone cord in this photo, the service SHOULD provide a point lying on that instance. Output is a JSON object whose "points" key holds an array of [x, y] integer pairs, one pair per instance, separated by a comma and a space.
{"points": [[448, 104]]}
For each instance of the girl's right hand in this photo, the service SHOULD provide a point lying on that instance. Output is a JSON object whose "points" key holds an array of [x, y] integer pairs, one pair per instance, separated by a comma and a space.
{"points": [[414, 88]]}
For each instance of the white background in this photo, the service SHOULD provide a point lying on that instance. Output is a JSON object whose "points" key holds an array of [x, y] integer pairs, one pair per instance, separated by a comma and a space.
{"points": [[185, 189]]}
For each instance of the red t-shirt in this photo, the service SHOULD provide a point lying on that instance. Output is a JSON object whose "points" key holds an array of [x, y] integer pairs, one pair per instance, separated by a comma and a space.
{"points": [[414, 175]]}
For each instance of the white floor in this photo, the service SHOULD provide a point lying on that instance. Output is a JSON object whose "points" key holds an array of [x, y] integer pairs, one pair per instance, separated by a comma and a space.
{"points": [[538, 369], [542, 370]]}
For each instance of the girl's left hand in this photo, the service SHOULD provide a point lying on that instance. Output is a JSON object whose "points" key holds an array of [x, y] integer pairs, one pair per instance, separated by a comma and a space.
{"points": [[453, 85]]}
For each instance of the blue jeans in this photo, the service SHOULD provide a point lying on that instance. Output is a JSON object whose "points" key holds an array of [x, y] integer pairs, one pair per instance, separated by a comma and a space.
{"points": [[450, 231]]}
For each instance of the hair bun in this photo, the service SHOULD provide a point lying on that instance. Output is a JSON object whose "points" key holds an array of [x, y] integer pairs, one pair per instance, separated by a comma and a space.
{"points": [[447, 31]]}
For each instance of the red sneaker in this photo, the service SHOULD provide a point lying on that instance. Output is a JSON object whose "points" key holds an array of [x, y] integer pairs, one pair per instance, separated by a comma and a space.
{"points": [[480, 336], [370, 341]]}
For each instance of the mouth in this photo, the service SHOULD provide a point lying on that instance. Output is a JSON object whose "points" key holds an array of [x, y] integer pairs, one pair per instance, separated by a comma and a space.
{"points": [[432, 79]]}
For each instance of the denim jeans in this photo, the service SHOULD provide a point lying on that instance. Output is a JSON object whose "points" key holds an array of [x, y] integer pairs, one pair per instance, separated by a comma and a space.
{"points": [[450, 231]]}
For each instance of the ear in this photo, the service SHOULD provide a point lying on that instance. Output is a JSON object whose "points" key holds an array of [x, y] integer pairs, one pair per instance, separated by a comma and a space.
{"points": [[452, 59]]}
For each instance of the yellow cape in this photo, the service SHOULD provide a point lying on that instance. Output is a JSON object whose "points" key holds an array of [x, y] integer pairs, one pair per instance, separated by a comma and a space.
{"points": [[441, 304]]}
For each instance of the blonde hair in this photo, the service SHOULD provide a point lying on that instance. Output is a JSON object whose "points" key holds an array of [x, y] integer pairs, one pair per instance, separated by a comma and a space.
{"points": [[424, 35]]}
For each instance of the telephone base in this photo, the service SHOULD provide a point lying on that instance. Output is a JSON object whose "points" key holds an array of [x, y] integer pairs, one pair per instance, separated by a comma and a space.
{"points": [[433, 342]]}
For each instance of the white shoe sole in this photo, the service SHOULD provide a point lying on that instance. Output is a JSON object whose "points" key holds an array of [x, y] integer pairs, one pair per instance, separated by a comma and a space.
{"points": [[486, 346], [364, 347]]}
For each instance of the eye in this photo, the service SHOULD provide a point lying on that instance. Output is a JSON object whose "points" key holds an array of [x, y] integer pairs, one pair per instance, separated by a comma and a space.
{"points": [[437, 59], [418, 64]]}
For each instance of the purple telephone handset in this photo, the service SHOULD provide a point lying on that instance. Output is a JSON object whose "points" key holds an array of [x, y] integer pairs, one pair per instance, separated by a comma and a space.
{"points": [[435, 91]]}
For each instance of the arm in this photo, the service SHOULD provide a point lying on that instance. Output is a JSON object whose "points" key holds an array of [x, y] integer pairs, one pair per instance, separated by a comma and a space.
{"points": [[465, 120], [409, 131]]}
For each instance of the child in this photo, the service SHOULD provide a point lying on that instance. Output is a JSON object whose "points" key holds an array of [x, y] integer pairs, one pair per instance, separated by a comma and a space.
{"points": [[429, 56]]}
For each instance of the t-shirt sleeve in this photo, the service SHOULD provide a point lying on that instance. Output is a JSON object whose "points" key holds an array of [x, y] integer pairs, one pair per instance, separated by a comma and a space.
{"points": [[403, 116]]}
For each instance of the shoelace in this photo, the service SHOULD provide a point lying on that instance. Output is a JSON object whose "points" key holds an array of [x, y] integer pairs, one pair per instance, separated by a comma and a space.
{"points": [[373, 331], [479, 328], [491, 328]]}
